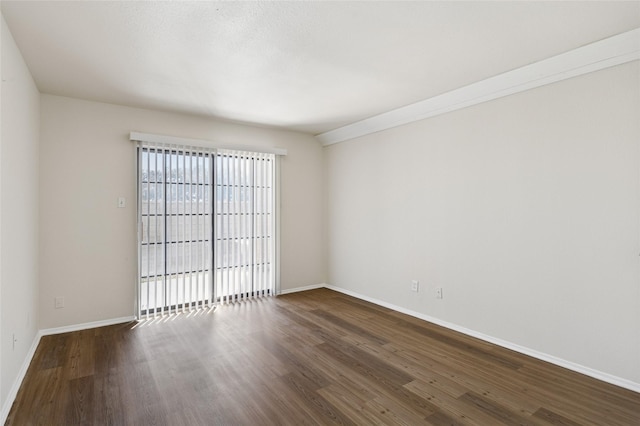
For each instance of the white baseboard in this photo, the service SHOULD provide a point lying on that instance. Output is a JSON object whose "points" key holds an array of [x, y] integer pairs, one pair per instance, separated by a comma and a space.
{"points": [[587, 371], [85, 326], [305, 288], [13, 392]]}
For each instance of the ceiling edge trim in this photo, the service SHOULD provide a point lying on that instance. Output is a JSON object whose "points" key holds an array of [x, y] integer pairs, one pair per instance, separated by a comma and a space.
{"points": [[593, 57]]}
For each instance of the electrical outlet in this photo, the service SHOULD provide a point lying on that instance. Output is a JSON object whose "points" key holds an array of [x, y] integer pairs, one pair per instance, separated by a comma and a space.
{"points": [[415, 285], [59, 302], [121, 202], [439, 293], [14, 341]]}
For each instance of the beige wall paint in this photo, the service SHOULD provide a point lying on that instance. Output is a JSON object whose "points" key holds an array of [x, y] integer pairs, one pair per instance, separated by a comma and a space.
{"points": [[524, 210], [88, 245], [19, 217]]}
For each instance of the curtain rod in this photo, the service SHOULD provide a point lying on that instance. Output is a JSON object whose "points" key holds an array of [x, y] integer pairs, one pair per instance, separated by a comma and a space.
{"points": [[201, 143]]}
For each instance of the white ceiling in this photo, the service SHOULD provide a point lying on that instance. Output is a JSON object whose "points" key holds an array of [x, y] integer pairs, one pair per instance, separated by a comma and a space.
{"points": [[307, 66]]}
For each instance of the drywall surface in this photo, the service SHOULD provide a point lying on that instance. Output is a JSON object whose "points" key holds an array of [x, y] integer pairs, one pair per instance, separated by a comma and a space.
{"points": [[524, 210], [88, 245], [19, 218]]}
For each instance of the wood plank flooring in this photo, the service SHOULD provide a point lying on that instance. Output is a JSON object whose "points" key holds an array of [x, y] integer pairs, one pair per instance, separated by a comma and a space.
{"points": [[317, 357]]}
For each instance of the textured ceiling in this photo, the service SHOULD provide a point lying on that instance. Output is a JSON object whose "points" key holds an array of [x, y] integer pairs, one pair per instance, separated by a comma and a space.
{"points": [[307, 66]]}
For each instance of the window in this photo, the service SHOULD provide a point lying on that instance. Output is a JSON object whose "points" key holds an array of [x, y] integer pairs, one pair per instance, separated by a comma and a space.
{"points": [[206, 225]]}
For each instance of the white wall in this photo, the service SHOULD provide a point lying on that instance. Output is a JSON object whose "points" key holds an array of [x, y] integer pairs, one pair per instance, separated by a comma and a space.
{"points": [[88, 245], [524, 210], [19, 217]]}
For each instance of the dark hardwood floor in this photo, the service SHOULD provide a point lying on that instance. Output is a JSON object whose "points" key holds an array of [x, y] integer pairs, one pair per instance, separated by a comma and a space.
{"points": [[317, 357]]}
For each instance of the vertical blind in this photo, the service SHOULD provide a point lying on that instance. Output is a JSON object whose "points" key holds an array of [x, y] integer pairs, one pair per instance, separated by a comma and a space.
{"points": [[206, 225]]}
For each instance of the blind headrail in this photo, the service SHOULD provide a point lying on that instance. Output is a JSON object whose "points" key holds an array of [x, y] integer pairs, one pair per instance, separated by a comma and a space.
{"points": [[200, 143]]}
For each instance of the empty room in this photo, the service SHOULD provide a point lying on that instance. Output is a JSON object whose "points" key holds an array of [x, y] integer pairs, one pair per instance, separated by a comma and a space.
{"points": [[323, 212]]}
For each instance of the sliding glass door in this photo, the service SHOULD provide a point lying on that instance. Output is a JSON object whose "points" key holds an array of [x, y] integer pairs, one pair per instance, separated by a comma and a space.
{"points": [[244, 226], [205, 227]]}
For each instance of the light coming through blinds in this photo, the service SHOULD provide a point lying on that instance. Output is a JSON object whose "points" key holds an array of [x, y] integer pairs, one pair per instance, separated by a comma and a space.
{"points": [[206, 224]]}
